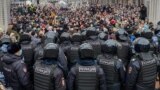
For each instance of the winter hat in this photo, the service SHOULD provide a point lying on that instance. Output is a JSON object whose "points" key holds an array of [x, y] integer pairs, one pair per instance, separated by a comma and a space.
{"points": [[13, 48]]}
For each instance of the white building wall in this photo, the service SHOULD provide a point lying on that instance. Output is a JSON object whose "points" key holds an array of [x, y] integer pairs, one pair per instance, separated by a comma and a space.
{"points": [[4, 14], [1, 14], [154, 11]]}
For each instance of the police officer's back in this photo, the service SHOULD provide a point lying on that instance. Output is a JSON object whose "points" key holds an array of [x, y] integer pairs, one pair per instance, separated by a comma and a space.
{"points": [[113, 67], [92, 38], [147, 33], [86, 75], [123, 50], [48, 75], [64, 40], [72, 53], [28, 52], [64, 43], [38, 51], [15, 70], [5, 41], [142, 69]]}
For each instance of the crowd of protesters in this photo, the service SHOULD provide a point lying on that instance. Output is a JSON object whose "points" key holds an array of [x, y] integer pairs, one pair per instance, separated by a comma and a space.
{"points": [[111, 17]]}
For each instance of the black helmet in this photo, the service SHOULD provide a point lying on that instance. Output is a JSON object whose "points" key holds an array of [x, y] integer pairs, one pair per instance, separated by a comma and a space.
{"points": [[13, 48], [25, 37], [103, 36], [5, 40], [51, 51], [147, 34], [91, 32], [122, 35], [110, 46], [86, 51], [141, 45], [65, 36], [157, 31], [76, 37]]}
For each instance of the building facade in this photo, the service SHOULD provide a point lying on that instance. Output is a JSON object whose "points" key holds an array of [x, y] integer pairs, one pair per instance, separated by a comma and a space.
{"points": [[4, 14], [154, 10]]}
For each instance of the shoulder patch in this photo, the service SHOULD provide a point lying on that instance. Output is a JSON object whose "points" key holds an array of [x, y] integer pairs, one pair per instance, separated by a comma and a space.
{"points": [[120, 60], [25, 69], [133, 59], [130, 70], [63, 82], [87, 69]]}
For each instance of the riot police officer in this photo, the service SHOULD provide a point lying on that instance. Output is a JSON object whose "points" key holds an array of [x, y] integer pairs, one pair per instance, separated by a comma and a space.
{"points": [[72, 53], [15, 70], [123, 50], [113, 67], [92, 38], [28, 52], [86, 74], [48, 74], [38, 51], [147, 33], [64, 43], [156, 40], [61, 57], [142, 69], [5, 41], [64, 40]]}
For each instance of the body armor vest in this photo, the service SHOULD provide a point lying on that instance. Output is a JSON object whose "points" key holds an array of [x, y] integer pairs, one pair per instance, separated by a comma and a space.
{"points": [[86, 78], [122, 52], [27, 51], [147, 76], [11, 77], [73, 54], [38, 55], [43, 76], [112, 76]]}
